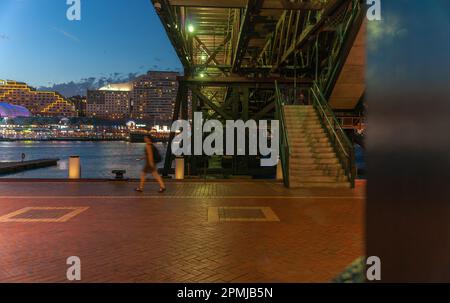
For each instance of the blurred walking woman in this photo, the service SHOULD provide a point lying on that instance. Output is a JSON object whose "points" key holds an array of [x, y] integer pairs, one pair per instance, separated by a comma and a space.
{"points": [[152, 157]]}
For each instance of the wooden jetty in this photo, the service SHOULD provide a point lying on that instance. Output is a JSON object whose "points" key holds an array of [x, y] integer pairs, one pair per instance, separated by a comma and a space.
{"points": [[13, 167]]}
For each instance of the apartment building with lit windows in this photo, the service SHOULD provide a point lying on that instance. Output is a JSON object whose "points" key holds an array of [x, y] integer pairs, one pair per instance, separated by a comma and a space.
{"points": [[153, 97], [111, 102], [39, 103]]}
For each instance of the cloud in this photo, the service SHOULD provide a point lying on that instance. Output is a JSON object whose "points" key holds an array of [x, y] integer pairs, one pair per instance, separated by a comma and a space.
{"points": [[66, 34], [4, 37], [381, 33], [80, 87]]}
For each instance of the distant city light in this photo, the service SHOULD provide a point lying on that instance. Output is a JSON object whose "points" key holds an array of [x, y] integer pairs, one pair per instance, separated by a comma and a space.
{"points": [[122, 87]]}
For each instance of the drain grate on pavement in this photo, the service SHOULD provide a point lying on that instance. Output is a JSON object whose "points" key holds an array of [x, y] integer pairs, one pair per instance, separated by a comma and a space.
{"points": [[43, 214], [241, 214]]}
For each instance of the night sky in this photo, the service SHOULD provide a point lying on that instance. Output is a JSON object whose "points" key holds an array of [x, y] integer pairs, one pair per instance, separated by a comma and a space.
{"points": [[114, 38]]}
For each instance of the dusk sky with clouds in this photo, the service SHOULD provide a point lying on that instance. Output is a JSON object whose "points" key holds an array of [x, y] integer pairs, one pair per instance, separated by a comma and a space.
{"points": [[40, 46]]}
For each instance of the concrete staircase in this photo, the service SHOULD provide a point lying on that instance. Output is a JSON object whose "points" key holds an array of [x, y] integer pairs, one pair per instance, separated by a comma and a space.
{"points": [[313, 162]]}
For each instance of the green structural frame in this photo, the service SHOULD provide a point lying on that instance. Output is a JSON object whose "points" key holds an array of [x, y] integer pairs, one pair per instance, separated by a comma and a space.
{"points": [[233, 52]]}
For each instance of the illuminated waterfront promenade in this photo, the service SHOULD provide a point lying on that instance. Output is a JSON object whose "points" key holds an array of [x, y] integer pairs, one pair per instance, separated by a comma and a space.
{"points": [[190, 234], [240, 65]]}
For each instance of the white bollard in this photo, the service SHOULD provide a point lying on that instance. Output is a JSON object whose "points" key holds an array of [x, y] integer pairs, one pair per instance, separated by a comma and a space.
{"points": [[279, 171], [74, 167], [179, 168]]}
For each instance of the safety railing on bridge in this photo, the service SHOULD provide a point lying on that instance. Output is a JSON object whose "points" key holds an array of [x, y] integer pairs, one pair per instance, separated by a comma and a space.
{"points": [[355, 122], [339, 140], [346, 33], [285, 150]]}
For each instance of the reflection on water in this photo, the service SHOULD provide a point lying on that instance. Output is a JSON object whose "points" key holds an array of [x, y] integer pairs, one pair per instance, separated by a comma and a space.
{"points": [[98, 159]]}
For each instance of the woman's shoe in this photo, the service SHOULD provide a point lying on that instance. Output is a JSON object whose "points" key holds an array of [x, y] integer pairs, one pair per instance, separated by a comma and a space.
{"points": [[139, 190], [161, 190]]}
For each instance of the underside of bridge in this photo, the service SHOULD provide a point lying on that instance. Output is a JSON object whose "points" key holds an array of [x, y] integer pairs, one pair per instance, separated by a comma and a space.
{"points": [[234, 51]]}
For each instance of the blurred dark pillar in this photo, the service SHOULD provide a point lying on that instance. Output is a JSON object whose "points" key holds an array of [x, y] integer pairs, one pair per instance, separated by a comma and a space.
{"points": [[408, 95]]}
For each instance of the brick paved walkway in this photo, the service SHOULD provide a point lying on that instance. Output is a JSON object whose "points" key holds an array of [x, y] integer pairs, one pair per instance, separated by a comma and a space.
{"points": [[126, 237]]}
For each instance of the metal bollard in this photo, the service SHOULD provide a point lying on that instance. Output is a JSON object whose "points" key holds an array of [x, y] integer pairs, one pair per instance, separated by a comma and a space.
{"points": [[74, 167], [179, 168]]}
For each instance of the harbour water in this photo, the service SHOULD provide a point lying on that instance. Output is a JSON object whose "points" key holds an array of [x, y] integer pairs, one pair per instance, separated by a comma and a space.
{"points": [[98, 159]]}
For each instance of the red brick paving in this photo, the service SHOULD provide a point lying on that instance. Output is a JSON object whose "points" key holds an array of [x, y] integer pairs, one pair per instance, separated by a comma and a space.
{"points": [[127, 237]]}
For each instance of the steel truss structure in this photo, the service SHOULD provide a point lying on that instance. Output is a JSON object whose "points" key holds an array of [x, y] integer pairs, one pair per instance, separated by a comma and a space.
{"points": [[233, 51]]}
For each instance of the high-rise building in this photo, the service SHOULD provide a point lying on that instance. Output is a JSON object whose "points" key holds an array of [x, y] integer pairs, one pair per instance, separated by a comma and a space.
{"points": [[109, 102], [80, 104], [153, 97], [39, 103]]}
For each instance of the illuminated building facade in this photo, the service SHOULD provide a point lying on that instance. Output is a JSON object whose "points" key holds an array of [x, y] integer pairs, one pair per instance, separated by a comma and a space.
{"points": [[153, 97], [80, 104], [109, 102], [39, 103]]}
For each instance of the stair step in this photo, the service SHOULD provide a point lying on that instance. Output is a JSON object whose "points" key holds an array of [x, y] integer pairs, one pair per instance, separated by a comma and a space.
{"points": [[300, 161], [308, 127], [309, 140], [300, 173], [313, 148], [311, 154], [319, 185], [304, 115], [336, 176], [313, 166], [311, 116], [293, 129], [308, 135], [313, 162], [303, 123], [312, 179], [295, 148], [300, 123], [307, 144], [300, 113], [301, 133], [318, 173]]}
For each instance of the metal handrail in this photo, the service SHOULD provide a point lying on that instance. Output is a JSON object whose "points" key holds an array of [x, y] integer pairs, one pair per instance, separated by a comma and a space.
{"points": [[278, 100], [336, 133], [285, 149], [330, 124]]}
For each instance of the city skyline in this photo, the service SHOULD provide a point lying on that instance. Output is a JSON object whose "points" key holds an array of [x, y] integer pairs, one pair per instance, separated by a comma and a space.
{"points": [[97, 48], [149, 97]]}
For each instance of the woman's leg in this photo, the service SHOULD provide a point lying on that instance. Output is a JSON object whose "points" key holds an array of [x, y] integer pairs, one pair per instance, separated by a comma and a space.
{"points": [[159, 179], [143, 176]]}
